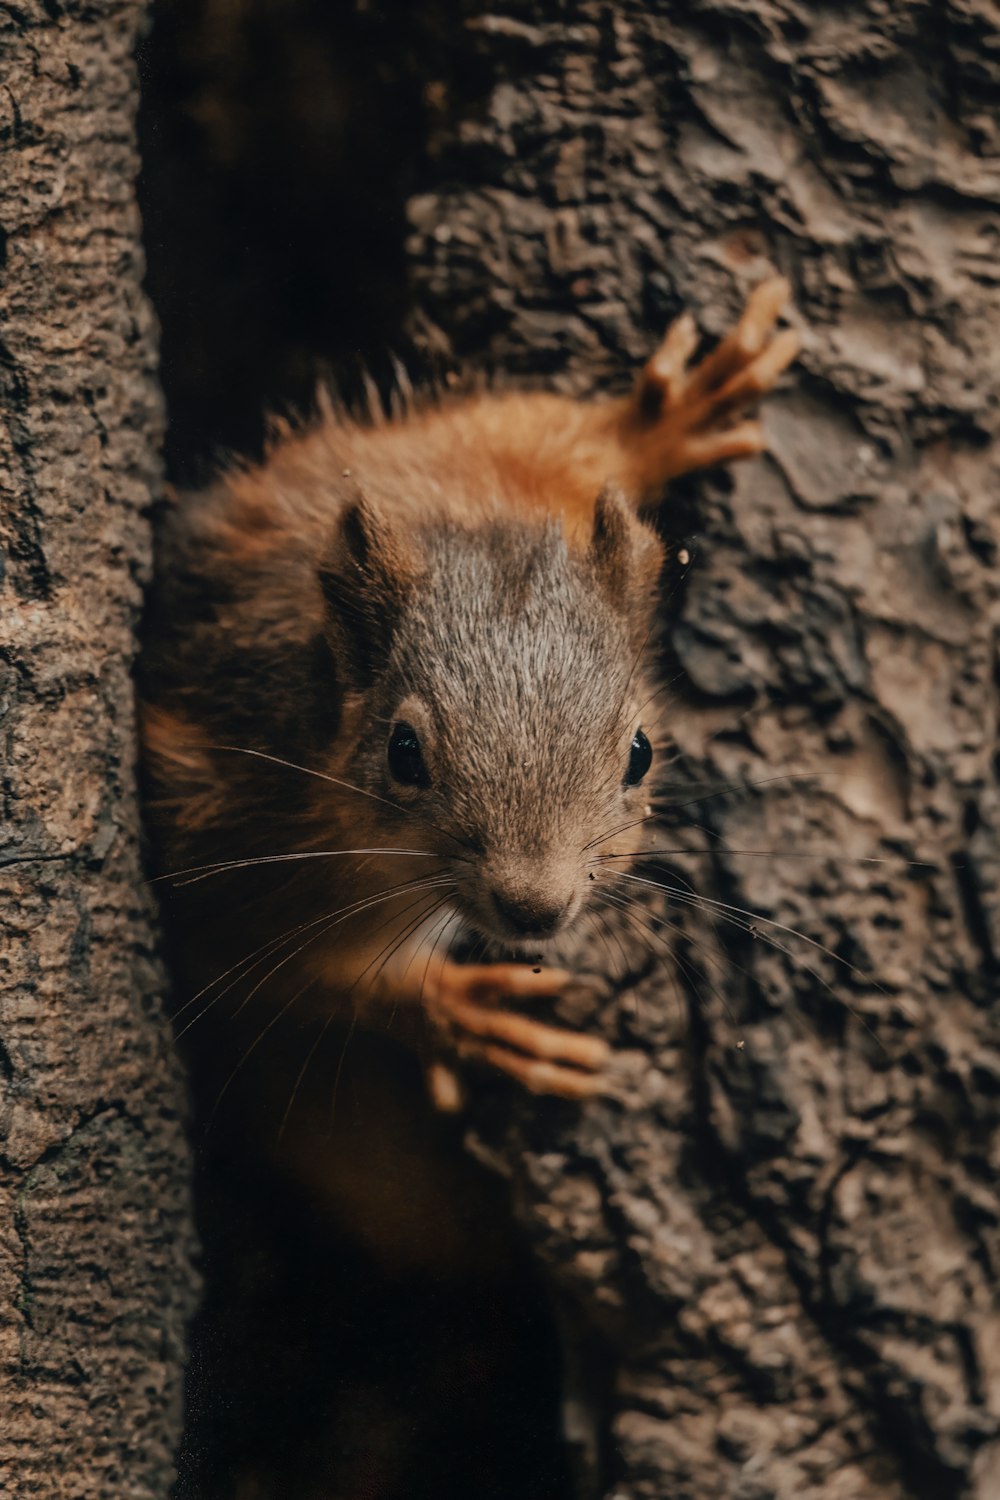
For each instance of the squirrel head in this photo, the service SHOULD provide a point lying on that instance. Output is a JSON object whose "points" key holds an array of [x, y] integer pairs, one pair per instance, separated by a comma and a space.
{"points": [[494, 689]]}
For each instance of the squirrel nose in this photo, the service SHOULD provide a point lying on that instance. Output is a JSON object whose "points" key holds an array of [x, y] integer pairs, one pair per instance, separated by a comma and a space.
{"points": [[530, 916]]}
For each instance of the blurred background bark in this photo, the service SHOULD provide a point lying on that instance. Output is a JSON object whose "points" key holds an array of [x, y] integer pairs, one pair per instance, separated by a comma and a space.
{"points": [[96, 1274], [788, 1240]]}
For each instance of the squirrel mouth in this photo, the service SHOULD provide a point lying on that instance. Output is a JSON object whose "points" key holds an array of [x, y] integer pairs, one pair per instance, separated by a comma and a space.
{"points": [[525, 924]]}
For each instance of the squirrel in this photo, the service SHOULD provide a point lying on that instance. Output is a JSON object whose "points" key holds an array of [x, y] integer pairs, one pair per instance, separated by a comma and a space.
{"points": [[392, 693]]}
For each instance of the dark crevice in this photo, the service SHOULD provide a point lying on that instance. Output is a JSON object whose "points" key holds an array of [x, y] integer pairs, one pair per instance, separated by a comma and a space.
{"points": [[24, 1299], [963, 868], [20, 858], [273, 190]]}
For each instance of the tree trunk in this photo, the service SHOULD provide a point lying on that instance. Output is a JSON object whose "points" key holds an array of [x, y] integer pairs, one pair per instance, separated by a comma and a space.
{"points": [[96, 1279], [791, 1231]]}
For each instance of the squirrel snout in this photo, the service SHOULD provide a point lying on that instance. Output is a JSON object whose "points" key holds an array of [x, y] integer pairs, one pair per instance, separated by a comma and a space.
{"points": [[535, 915]]}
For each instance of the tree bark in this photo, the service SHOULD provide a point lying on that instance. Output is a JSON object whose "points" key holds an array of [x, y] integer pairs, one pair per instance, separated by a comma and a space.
{"points": [[96, 1277], [790, 1233]]}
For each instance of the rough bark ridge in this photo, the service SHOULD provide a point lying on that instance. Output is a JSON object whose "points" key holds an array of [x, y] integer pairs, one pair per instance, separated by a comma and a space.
{"points": [[792, 1235], [95, 1240]]}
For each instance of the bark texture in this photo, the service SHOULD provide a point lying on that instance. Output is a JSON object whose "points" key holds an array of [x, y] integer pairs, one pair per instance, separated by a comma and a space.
{"points": [[791, 1232], [96, 1279]]}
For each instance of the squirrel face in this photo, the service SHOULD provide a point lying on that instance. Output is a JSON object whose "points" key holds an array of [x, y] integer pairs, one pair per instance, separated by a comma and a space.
{"points": [[495, 695]]}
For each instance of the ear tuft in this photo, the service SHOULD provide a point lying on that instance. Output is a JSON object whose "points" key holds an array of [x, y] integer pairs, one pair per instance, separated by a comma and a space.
{"points": [[610, 551], [367, 577], [365, 542], [625, 556]]}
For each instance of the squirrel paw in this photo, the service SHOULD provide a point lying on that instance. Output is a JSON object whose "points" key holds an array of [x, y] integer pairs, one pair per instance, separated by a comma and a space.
{"points": [[683, 418], [461, 1004]]}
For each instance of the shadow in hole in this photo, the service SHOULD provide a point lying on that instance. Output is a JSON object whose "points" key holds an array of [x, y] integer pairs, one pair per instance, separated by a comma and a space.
{"points": [[314, 1375], [279, 145]]}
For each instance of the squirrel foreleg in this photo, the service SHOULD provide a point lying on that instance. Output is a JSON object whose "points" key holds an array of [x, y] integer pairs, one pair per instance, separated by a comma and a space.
{"points": [[682, 417]]}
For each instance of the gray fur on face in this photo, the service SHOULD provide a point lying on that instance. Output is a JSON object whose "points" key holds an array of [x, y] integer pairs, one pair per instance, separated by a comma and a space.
{"points": [[519, 673]]}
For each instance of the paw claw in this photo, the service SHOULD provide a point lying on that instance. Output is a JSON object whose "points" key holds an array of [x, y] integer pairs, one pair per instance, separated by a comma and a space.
{"points": [[668, 365], [545, 1078], [764, 306], [445, 1088], [495, 981], [682, 418], [745, 440]]}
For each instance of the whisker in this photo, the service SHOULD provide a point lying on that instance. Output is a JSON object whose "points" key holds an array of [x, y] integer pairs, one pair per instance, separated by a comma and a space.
{"points": [[662, 808], [602, 838], [216, 867], [412, 927], [438, 929], [741, 786], [662, 687], [427, 913], [607, 896], [754, 917], [269, 943], [277, 941], [851, 859], [610, 934], [349, 786], [676, 957], [698, 901], [439, 935], [602, 929], [278, 1016], [635, 667], [300, 1076], [427, 885], [591, 917], [624, 905], [302, 1073], [273, 944], [335, 1086]]}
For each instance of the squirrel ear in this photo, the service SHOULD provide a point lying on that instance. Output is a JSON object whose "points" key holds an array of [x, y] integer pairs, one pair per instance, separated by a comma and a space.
{"points": [[367, 577], [625, 555], [611, 543]]}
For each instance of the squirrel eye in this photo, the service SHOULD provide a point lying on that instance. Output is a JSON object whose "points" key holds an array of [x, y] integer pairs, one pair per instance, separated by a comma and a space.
{"points": [[406, 761], [640, 758]]}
